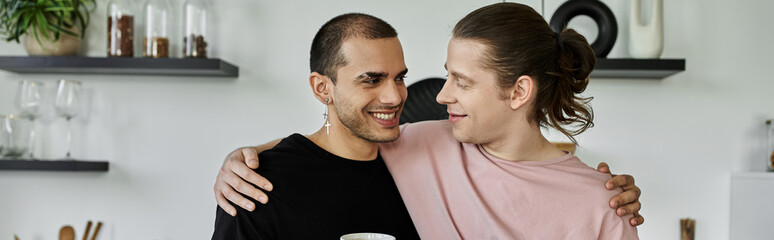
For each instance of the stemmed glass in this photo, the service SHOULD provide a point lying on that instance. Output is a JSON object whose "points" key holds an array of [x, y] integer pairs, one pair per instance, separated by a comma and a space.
{"points": [[68, 104], [28, 101]]}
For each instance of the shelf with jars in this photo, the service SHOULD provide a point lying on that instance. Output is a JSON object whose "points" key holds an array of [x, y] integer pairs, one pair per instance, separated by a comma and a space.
{"points": [[153, 57]]}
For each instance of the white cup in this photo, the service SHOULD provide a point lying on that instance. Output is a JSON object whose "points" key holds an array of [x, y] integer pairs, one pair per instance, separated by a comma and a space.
{"points": [[367, 236]]}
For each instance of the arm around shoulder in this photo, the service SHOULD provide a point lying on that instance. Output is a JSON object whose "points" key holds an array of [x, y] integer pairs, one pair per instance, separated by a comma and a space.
{"points": [[234, 175]]}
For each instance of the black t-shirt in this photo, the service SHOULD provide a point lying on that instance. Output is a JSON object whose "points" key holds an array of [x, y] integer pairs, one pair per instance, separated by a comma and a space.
{"points": [[318, 195]]}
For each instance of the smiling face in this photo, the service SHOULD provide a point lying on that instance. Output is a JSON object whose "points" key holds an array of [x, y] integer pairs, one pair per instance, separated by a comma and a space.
{"points": [[369, 93], [472, 95]]}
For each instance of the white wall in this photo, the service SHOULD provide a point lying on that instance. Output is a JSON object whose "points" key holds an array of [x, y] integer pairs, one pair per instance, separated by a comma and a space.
{"points": [[165, 137]]}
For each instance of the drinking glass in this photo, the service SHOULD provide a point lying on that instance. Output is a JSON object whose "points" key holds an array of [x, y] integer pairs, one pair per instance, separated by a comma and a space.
{"points": [[68, 105], [28, 101], [3, 136], [16, 131]]}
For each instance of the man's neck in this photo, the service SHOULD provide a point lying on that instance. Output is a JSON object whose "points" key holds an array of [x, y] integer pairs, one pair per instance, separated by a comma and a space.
{"points": [[526, 144], [340, 142]]}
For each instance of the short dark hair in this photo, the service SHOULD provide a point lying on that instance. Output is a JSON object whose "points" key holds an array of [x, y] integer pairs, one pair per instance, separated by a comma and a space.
{"points": [[520, 42], [326, 57]]}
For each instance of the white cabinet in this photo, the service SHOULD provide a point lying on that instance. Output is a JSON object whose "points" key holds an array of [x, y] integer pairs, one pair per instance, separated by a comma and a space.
{"points": [[752, 205]]}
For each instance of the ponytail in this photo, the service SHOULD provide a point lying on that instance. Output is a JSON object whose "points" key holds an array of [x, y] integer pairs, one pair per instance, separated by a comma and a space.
{"points": [[566, 110]]}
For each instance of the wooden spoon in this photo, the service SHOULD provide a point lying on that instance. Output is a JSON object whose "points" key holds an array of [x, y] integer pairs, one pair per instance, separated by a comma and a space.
{"points": [[88, 229], [67, 233], [96, 231]]}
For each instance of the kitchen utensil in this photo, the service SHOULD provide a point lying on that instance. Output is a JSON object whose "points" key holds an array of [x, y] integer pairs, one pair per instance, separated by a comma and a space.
{"points": [[67, 233], [687, 227], [96, 231], [770, 147], [88, 228]]}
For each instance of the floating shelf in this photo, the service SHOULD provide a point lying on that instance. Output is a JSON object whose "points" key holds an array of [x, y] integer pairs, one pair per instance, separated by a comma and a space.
{"points": [[54, 165], [119, 65], [605, 67], [637, 68]]}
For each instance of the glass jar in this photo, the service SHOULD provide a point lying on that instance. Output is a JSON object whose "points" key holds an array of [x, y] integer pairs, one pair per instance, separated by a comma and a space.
{"points": [[195, 30], [17, 134], [120, 29], [770, 145], [155, 43], [3, 136]]}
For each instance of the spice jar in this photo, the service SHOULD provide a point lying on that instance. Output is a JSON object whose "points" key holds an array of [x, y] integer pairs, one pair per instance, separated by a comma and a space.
{"points": [[195, 39], [120, 29], [770, 146], [155, 43]]}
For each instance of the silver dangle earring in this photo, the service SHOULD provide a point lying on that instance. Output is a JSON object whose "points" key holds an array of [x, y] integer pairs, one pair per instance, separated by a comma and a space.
{"points": [[325, 116]]}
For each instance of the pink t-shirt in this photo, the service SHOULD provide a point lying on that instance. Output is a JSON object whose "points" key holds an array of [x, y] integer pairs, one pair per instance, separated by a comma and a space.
{"points": [[457, 190]]}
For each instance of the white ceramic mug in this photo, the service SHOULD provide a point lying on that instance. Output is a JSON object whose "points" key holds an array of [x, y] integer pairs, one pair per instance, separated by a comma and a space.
{"points": [[367, 236]]}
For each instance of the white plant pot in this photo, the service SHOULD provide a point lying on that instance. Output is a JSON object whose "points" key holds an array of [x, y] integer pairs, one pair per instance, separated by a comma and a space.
{"points": [[66, 45], [646, 41]]}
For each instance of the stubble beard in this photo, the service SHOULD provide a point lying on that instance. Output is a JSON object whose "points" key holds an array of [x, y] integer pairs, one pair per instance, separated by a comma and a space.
{"points": [[350, 118]]}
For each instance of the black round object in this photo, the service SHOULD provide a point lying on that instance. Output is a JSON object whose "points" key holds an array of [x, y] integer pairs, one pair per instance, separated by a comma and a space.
{"points": [[608, 27], [421, 105]]}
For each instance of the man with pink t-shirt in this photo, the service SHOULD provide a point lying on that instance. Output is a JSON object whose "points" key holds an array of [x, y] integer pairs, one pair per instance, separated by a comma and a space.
{"points": [[441, 180]]}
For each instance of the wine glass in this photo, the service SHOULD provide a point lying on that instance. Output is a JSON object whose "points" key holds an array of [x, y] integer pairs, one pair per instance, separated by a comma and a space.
{"points": [[28, 101], [68, 105]]}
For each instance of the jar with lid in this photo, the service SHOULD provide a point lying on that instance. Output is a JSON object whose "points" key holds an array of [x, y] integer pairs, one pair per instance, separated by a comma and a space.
{"points": [[155, 43], [120, 29], [195, 41], [770, 144]]}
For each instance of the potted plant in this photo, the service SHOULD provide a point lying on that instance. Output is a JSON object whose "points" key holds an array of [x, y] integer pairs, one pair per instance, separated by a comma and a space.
{"points": [[49, 27]]}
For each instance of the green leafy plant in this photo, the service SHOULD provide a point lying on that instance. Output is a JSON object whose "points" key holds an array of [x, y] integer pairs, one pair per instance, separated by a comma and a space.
{"points": [[19, 17]]}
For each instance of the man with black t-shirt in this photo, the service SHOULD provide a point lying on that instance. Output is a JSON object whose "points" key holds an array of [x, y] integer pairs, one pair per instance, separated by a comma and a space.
{"points": [[333, 182]]}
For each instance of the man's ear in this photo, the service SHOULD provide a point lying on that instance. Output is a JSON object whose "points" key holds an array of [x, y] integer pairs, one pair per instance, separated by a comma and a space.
{"points": [[322, 87], [522, 91]]}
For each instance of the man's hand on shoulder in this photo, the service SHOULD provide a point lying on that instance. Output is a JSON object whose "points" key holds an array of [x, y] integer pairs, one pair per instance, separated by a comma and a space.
{"points": [[628, 202], [230, 182]]}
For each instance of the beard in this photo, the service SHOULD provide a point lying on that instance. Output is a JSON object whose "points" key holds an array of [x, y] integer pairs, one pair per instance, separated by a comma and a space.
{"points": [[351, 118]]}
